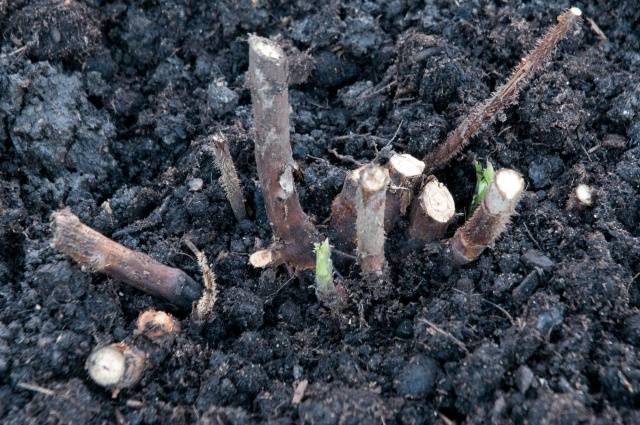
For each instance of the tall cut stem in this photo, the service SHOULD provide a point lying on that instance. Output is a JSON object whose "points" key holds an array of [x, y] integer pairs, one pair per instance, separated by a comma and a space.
{"points": [[294, 233]]}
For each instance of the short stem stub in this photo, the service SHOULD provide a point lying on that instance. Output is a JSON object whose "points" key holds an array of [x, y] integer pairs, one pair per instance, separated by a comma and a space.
{"points": [[121, 365], [116, 366], [405, 173], [431, 213], [580, 198], [489, 218], [370, 208]]}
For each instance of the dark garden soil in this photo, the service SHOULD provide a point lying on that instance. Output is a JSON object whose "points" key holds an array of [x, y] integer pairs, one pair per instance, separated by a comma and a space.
{"points": [[105, 107]]}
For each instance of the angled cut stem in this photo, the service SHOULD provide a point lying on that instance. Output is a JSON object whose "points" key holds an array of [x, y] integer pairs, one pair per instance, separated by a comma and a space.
{"points": [[228, 175], [370, 208], [98, 253], [489, 218], [293, 231], [485, 113], [431, 212]]}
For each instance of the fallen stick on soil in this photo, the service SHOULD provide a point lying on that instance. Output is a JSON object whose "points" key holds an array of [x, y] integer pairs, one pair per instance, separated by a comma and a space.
{"points": [[431, 212], [580, 198], [98, 253], [404, 174], [370, 207], [485, 113], [294, 233], [121, 365], [489, 218], [228, 175]]}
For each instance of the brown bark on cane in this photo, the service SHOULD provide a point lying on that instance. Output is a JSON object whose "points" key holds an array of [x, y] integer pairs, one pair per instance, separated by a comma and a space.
{"points": [[489, 218], [431, 213], [294, 233], [98, 253], [343, 213], [507, 94]]}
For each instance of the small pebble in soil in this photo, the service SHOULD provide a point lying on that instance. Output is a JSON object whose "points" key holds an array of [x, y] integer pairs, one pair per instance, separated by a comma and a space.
{"points": [[417, 378], [524, 377], [221, 98], [543, 170], [533, 258], [195, 184], [526, 288], [632, 329]]}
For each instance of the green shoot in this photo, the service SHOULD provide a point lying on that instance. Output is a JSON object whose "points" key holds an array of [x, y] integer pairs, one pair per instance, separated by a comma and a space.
{"points": [[324, 268], [484, 178]]}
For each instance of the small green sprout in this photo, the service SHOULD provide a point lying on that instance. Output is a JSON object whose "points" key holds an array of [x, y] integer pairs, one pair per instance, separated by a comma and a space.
{"points": [[324, 269], [484, 178]]}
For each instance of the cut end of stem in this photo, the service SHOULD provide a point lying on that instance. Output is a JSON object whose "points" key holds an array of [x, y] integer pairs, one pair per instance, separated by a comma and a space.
{"points": [[437, 202], [584, 194], [266, 47], [106, 366], [374, 179], [509, 183], [116, 366], [406, 165], [264, 258], [576, 11]]}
